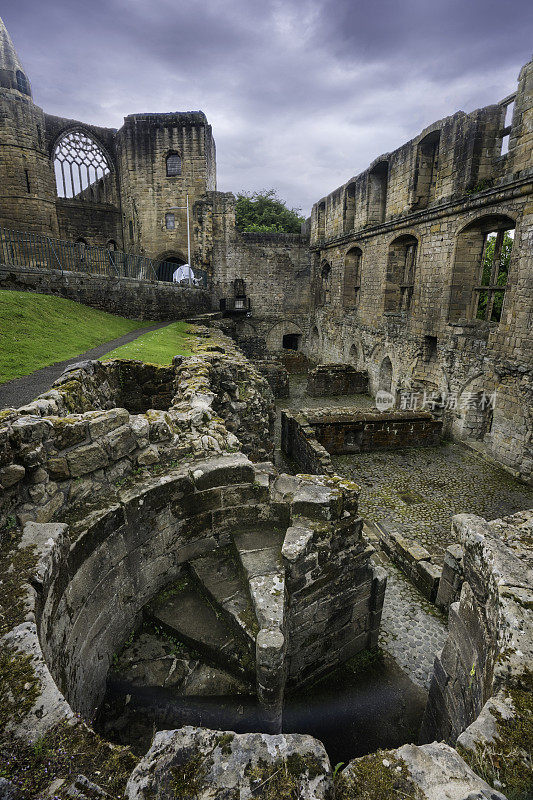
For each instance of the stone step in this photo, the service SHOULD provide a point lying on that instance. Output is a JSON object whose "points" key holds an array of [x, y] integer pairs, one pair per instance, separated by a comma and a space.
{"points": [[259, 551], [220, 577], [185, 614]]}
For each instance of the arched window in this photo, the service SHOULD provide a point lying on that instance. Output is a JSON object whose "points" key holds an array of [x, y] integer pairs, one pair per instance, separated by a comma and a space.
{"points": [[324, 284], [401, 268], [23, 84], [170, 221], [80, 168], [385, 375], [352, 277], [173, 165], [377, 193], [349, 208], [482, 260], [426, 171]]}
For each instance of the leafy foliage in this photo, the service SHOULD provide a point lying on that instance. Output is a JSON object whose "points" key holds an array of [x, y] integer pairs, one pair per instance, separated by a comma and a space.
{"points": [[503, 269], [264, 212]]}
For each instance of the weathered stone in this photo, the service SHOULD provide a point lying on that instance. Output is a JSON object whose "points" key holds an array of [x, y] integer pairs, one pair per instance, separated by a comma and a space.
{"points": [[231, 764], [11, 475], [86, 459]]}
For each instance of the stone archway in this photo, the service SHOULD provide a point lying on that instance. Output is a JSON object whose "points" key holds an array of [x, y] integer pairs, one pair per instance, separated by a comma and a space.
{"points": [[385, 375], [277, 334]]}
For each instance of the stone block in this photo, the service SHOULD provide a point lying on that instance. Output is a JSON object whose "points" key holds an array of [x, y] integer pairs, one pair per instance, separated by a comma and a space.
{"points": [[222, 471], [87, 458]]}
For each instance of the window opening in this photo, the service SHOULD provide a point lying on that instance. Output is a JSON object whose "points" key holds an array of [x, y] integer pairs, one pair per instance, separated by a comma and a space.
{"points": [[377, 192], [489, 294], [291, 341], [349, 208], [173, 165], [352, 278], [22, 82], [80, 168]]}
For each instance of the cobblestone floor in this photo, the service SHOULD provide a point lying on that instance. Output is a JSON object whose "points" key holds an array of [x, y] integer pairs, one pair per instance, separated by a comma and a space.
{"points": [[412, 630], [417, 491]]}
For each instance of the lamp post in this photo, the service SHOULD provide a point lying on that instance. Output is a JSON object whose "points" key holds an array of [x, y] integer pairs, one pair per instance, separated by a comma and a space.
{"points": [[181, 208]]}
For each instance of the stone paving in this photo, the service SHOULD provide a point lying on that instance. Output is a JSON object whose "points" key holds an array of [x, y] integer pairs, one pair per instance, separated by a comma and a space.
{"points": [[412, 630], [417, 491]]}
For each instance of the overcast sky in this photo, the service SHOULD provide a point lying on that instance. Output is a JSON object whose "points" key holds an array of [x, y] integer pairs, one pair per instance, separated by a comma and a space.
{"points": [[301, 94]]}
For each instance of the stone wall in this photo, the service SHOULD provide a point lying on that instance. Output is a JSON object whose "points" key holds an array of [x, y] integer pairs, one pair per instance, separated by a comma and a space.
{"points": [[298, 442], [423, 344], [336, 379], [338, 431], [275, 269], [275, 374], [335, 595], [74, 442], [127, 297], [489, 649]]}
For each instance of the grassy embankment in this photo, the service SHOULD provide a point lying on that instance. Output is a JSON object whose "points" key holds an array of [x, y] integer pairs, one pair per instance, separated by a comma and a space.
{"points": [[157, 347], [38, 329]]}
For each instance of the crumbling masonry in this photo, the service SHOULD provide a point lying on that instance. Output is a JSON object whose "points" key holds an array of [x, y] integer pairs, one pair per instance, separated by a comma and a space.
{"points": [[154, 486]]}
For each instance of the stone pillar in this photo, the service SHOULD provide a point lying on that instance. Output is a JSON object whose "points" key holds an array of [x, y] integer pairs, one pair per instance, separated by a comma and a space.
{"points": [[270, 670]]}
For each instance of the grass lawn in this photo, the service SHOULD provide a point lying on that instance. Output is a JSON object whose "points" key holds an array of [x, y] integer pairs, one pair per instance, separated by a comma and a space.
{"points": [[38, 329], [157, 347]]}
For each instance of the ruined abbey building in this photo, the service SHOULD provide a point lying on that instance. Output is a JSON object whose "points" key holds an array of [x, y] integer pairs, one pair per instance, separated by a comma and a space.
{"points": [[153, 537]]}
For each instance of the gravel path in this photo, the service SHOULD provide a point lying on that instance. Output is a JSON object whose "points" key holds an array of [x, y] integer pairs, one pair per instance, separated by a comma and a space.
{"points": [[20, 391]]}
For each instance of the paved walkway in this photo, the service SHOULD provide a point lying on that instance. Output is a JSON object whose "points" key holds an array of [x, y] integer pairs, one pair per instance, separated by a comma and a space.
{"points": [[21, 391]]}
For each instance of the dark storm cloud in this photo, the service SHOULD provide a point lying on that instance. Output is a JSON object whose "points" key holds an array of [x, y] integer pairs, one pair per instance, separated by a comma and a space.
{"points": [[301, 94]]}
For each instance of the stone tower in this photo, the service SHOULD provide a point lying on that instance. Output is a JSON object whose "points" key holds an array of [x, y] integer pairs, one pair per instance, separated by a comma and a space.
{"points": [[27, 183], [162, 158]]}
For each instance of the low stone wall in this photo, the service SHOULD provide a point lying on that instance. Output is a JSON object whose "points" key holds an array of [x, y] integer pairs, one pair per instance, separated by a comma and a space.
{"points": [[489, 649], [299, 443], [310, 435], [345, 431], [75, 440], [336, 379], [127, 297], [414, 560]]}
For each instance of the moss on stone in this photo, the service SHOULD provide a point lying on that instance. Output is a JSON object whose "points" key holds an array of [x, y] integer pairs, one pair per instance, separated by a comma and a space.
{"points": [[16, 568], [370, 778], [187, 778], [276, 780], [507, 763], [224, 743], [19, 686], [64, 752]]}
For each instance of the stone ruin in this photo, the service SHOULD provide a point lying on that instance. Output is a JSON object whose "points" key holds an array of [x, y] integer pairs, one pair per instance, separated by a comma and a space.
{"points": [[140, 506], [161, 515]]}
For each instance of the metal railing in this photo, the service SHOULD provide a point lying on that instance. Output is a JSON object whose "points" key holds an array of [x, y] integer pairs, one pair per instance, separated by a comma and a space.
{"points": [[23, 249]]}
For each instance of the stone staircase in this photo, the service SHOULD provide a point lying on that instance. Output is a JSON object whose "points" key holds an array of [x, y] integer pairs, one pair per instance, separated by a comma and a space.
{"points": [[218, 609]]}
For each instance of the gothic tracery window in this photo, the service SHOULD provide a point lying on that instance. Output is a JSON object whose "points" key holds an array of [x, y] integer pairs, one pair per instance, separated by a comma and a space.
{"points": [[80, 167]]}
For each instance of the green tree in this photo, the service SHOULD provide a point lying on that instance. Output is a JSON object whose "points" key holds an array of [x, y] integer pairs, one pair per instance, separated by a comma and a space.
{"points": [[264, 212], [501, 278]]}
